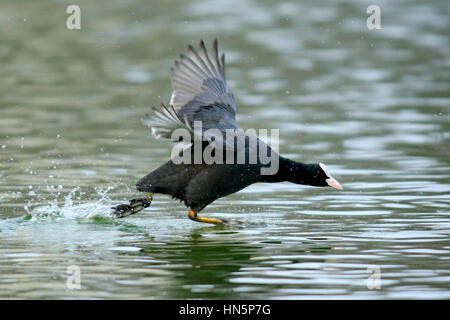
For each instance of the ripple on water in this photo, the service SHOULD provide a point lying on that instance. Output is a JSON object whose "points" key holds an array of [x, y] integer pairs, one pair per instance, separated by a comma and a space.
{"points": [[372, 105]]}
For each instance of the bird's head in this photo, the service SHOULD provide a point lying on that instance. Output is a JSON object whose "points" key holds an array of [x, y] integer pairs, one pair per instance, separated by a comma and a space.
{"points": [[316, 174], [323, 178]]}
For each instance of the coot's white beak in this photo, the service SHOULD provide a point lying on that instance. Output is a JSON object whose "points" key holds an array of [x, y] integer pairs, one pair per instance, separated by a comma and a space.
{"points": [[334, 184]]}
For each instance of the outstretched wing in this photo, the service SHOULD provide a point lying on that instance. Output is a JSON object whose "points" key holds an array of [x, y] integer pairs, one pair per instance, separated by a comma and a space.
{"points": [[164, 121], [199, 94]]}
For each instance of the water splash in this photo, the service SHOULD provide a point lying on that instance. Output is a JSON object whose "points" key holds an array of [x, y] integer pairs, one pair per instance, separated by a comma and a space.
{"points": [[100, 208]]}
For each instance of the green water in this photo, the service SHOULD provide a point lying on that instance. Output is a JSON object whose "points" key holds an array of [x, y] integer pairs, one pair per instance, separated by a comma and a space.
{"points": [[371, 104]]}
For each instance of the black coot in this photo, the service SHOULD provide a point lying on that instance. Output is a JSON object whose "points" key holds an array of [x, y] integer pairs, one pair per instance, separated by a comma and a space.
{"points": [[200, 96]]}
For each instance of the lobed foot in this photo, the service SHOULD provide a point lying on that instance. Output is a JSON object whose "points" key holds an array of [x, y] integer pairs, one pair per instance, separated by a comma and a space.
{"points": [[135, 205], [227, 222]]}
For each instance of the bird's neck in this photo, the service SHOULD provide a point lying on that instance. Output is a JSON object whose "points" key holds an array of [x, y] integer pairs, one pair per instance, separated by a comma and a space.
{"points": [[292, 171]]}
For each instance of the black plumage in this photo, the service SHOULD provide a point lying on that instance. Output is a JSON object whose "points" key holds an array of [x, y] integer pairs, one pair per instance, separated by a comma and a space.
{"points": [[200, 94]]}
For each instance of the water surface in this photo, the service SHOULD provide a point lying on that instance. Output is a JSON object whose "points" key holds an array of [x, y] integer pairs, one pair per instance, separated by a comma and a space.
{"points": [[371, 104]]}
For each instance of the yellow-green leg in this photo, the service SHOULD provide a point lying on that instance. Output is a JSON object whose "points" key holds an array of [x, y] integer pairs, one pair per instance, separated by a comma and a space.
{"points": [[193, 216]]}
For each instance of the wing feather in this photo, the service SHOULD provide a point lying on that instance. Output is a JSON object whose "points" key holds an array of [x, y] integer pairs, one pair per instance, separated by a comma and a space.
{"points": [[199, 94]]}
